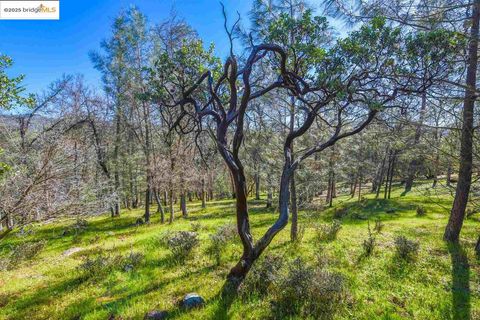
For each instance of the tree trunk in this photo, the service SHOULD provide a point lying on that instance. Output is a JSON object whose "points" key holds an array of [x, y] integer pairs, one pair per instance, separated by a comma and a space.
{"points": [[240, 270], [252, 252], [334, 187], [293, 186], [359, 188], [257, 186], [269, 197], [477, 247], [135, 194], [294, 209], [413, 166], [353, 188], [436, 164], [232, 182], [435, 170], [392, 170], [116, 173], [172, 209], [389, 169], [382, 175], [449, 174], [454, 226], [183, 204], [331, 189], [376, 178], [204, 194], [159, 206], [329, 197], [147, 203], [10, 222]]}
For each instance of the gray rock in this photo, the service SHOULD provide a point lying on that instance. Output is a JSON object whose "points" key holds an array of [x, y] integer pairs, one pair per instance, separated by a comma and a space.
{"points": [[192, 300], [156, 315], [69, 252]]}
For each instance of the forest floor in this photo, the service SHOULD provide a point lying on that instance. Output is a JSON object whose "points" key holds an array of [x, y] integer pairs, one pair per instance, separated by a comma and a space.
{"points": [[41, 279]]}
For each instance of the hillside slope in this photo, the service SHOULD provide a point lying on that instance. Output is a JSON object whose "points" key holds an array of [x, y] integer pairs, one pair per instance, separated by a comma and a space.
{"points": [[130, 271]]}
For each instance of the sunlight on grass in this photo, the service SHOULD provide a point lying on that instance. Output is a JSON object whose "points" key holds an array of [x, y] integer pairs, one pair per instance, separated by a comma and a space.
{"points": [[442, 283]]}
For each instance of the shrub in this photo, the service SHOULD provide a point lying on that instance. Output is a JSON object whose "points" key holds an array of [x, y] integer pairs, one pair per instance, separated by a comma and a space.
{"points": [[27, 250], [421, 211], [300, 233], [358, 216], [25, 231], [293, 289], [406, 249], [309, 292], [76, 228], [196, 226], [163, 238], [79, 226], [101, 264], [219, 241], [327, 232], [339, 213], [363, 202], [262, 276], [227, 231], [4, 263], [94, 240], [182, 244], [312, 206], [132, 260], [369, 243], [378, 225], [21, 252], [470, 213], [322, 260], [216, 248], [326, 294]]}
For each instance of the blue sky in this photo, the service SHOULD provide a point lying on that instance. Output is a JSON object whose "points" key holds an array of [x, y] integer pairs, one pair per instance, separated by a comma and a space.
{"points": [[44, 50]]}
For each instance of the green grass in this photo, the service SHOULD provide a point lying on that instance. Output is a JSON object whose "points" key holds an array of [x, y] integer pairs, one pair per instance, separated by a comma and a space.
{"points": [[443, 282]]}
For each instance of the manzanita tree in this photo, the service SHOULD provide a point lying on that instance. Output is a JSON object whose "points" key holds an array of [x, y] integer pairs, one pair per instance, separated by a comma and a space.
{"points": [[343, 89], [304, 37]]}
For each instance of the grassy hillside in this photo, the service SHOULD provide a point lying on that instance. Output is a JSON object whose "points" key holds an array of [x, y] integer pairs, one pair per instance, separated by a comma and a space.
{"points": [[136, 273]]}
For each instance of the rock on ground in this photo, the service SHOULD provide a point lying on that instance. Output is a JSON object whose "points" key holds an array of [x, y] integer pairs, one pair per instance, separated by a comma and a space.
{"points": [[192, 300], [69, 252], [156, 315]]}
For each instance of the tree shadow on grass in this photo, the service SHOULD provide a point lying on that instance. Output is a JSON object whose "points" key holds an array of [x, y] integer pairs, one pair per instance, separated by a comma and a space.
{"points": [[24, 306], [3, 234], [368, 209], [399, 268], [208, 216], [226, 297], [460, 282], [221, 304]]}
